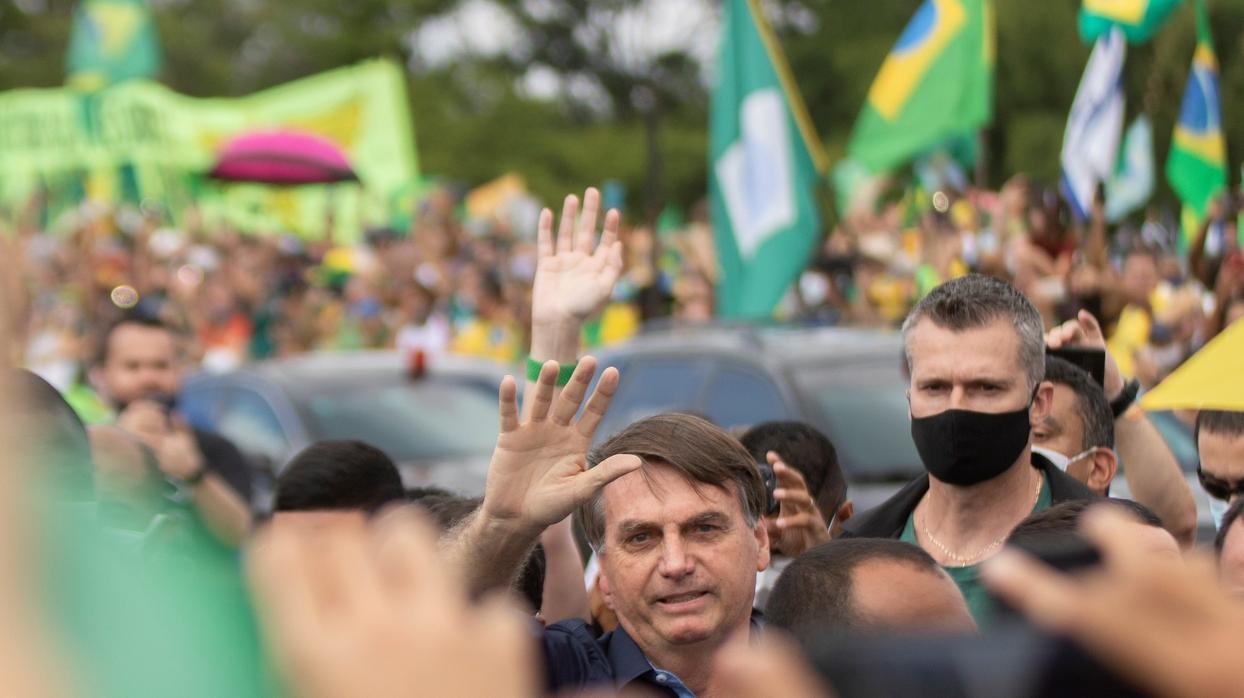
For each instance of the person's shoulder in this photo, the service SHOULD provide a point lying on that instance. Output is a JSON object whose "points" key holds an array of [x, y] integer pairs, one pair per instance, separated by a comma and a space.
{"points": [[574, 655], [886, 520]]}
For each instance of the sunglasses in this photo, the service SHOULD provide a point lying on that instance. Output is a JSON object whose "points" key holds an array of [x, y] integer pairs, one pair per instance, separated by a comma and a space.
{"points": [[1219, 488]]}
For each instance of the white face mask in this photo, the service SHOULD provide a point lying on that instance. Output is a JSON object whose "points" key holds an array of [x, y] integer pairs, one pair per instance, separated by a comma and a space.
{"points": [[1059, 459], [1217, 510]]}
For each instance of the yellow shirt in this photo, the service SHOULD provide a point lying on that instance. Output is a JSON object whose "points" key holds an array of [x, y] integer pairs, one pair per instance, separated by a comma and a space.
{"points": [[489, 340], [1131, 333]]}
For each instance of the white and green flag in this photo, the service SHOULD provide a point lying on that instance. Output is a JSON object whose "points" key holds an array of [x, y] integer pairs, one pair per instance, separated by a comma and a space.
{"points": [[765, 163]]}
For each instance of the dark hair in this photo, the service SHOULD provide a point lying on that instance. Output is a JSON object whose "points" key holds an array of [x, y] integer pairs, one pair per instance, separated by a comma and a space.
{"points": [[338, 475], [1064, 519], [694, 446], [1225, 422], [1228, 520], [976, 300], [1091, 403], [449, 510], [134, 318], [814, 592], [805, 449], [415, 494]]}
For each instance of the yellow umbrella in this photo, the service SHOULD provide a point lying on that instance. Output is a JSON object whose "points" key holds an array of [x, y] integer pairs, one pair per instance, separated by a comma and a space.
{"points": [[1212, 378]]}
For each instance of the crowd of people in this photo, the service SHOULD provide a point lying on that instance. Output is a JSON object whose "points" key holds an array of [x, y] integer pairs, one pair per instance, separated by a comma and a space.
{"points": [[672, 557], [449, 282]]}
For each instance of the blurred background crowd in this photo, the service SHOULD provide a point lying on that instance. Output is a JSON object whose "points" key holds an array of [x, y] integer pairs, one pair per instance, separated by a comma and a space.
{"points": [[456, 283]]}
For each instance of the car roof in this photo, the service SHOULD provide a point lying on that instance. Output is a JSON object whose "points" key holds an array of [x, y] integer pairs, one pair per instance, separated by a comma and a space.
{"points": [[316, 371], [782, 344]]}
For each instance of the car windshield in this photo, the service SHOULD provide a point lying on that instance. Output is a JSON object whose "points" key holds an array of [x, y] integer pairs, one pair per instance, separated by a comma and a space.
{"points": [[865, 415], [412, 422]]}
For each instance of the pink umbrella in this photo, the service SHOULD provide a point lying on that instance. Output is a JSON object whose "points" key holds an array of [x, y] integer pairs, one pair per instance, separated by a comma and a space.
{"points": [[282, 157]]}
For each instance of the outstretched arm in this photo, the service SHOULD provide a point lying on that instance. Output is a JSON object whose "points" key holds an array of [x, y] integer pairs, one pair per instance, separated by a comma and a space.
{"points": [[574, 278], [1148, 463], [538, 474]]}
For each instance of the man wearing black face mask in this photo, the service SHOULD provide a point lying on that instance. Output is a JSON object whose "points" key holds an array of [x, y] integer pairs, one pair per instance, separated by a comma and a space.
{"points": [[976, 351]]}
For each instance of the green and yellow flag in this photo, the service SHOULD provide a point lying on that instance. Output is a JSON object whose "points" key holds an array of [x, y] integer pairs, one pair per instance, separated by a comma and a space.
{"points": [[1197, 164], [936, 83], [112, 41], [1139, 19], [765, 162]]}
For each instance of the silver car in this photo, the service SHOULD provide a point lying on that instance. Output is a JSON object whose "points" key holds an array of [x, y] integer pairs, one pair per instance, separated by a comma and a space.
{"points": [[439, 426]]}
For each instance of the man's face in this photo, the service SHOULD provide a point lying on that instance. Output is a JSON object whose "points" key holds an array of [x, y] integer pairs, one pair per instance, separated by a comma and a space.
{"points": [[976, 369], [140, 364], [896, 595], [1231, 563], [1140, 277], [1222, 456], [1062, 430], [678, 565]]}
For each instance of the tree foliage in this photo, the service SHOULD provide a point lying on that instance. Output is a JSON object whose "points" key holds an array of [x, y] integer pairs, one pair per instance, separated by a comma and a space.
{"points": [[475, 121]]}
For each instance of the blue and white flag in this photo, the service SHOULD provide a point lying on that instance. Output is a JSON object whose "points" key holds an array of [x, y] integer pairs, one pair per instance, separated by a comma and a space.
{"points": [[1091, 141], [1132, 183]]}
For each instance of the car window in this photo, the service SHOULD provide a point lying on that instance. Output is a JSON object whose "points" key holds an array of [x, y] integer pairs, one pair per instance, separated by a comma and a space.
{"points": [[865, 416], [248, 420], [741, 397], [417, 422], [654, 385]]}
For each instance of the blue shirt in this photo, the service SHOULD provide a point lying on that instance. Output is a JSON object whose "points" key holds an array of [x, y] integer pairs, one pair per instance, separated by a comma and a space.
{"points": [[575, 658]]}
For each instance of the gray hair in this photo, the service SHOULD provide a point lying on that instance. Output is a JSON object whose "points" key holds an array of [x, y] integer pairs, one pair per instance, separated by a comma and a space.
{"points": [[976, 300], [697, 448]]}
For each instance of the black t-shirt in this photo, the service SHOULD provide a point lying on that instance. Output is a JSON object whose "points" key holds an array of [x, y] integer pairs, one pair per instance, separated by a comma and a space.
{"points": [[225, 460]]}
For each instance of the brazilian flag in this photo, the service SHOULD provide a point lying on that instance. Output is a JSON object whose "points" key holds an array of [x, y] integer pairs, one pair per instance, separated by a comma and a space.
{"points": [[765, 163], [1197, 164], [936, 83], [112, 41], [1139, 19]]}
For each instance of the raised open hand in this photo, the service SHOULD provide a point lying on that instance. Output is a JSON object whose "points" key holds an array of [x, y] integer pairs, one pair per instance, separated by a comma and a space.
{"points": [[573, 280], [799, 525], [538, 473]]}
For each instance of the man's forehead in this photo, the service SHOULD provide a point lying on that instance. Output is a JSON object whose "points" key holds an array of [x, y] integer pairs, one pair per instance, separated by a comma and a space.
{"points": [[989, 348], [660, 491], [1222, 455], [140, 340]]}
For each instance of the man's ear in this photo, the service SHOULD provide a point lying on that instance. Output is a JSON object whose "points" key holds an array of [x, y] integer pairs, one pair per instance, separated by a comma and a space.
{"points": [[845, 511], [1042, 403], [761, 532], [602, 583], [1104, 466]]}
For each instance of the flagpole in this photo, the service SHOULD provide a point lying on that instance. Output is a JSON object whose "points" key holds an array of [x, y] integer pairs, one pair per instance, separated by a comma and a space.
{"points": [[982, 159]]}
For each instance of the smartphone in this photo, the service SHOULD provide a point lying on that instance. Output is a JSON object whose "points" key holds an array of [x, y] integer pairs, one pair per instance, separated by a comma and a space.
{"points": [[1093, 361], [770, 480]]}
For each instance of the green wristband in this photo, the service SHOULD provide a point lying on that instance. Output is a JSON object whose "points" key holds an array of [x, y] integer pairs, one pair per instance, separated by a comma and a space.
{"points": [[564, 371]]}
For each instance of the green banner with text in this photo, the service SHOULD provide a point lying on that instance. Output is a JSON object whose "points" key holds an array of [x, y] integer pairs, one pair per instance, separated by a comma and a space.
{"points": [[143, 139]]}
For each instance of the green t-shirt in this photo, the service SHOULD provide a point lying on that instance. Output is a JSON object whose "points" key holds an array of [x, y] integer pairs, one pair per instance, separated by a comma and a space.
{"points": [[968, 577]]}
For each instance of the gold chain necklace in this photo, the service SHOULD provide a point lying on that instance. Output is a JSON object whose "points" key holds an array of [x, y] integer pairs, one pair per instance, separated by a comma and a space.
{"points": [[965, 560]]}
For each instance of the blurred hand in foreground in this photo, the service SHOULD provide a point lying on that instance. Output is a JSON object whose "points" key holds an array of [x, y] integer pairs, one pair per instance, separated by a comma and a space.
{"points": [[772, 667], [1161, 623], [371, 611]]}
